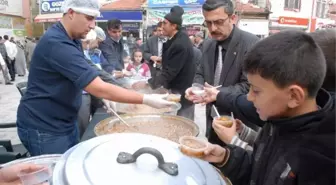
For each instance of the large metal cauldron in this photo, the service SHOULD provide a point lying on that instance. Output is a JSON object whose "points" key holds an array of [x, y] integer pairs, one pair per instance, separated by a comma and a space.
{"points": [[165, 126]]}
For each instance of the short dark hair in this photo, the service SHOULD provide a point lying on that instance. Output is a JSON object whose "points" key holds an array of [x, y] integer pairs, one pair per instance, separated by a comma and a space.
{"points": [[286, 58], [326, 39], [0, 37], [114, 24], [6, 37], [159, 24], [210, 5]]}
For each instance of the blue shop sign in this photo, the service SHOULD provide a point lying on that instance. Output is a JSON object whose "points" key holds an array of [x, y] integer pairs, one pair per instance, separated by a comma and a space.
{"points": [[131, 16], [51, 6], [170, 3]]}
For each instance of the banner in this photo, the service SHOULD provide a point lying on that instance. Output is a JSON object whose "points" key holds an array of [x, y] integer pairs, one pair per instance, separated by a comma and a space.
{"points": [[11, 7], [51, 6], [170, 3], [5, 22], [190, 17]]}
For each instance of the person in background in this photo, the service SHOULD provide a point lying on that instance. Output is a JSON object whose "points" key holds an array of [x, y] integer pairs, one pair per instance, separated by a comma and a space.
{"points": [[30, 47], [4, 56], [47, 117], [139, 44], [178, 66], [112, 47], [153, 50], [138, 67], [199, 40], [11, 53], [20, 64], [154, 32], [326, 39], [12, 40]]}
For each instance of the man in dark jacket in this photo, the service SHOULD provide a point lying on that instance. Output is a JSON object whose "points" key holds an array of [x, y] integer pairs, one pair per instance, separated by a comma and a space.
{"points": [[178, 67], [113, 48], [226, 68], [295, 145]]}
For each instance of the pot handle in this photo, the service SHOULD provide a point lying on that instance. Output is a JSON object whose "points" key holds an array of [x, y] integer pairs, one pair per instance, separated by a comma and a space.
{"points": [[127, 158]]}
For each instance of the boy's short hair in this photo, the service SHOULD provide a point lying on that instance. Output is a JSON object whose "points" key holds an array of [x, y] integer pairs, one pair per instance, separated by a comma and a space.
{"points": [[326, 39], [286, 58]]}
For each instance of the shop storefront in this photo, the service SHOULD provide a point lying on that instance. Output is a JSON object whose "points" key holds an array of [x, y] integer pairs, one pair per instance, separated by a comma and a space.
{"points": [[131, 21], [50, 12], [12, 22], [259, 27], [284, 23], [192, 17]]}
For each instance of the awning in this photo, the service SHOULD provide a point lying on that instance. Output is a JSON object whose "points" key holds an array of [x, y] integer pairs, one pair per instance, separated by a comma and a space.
{"points": [[54, 17]]}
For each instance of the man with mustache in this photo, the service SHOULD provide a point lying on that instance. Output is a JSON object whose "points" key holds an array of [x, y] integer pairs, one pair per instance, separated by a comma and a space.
{"points": [[222, 58]]}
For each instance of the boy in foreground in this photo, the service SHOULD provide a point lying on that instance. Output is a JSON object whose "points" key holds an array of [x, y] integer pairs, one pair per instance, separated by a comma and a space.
{"points": [[285, 72]]}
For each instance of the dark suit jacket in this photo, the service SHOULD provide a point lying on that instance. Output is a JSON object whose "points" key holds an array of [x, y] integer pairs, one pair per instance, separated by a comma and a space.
{"points": [[233, 80], [178, 67], [197, 56], [114, 53], [150, 48]]}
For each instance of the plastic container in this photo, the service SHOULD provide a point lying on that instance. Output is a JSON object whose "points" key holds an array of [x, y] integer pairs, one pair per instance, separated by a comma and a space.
{"points": [[226, 121], [40, 177], [174, 97], [198, 89], [193, 146]]}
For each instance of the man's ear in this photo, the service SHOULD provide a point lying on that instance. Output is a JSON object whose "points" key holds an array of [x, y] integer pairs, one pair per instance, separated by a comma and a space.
{"points": [[297, 96]]}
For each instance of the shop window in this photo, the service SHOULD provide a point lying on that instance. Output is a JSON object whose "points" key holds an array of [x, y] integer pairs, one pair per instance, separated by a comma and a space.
{"points": [[293, 5], [322, 7]]}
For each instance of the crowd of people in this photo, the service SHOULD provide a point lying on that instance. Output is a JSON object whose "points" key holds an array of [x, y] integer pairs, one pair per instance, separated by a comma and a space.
{"points": [[15, 57], [280, 90]]}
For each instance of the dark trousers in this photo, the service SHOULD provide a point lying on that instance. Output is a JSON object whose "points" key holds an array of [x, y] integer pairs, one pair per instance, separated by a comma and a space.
{"points": [[11, 68]]}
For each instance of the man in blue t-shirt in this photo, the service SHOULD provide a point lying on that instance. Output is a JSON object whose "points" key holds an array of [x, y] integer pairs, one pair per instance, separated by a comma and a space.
{"points": [[47, 114]]}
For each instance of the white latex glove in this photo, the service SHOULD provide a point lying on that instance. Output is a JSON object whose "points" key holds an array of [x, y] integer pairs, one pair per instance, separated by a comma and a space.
{"points": [[157, 101], [108, 105]]}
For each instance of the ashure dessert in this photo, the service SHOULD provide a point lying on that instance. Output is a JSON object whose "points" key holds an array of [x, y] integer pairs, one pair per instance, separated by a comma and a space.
{"points": [[192, 146], [226, 121], [174, 97]]}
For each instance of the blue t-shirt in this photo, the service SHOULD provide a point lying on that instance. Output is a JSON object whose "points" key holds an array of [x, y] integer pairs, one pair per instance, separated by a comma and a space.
{"points": [[58, 74]]}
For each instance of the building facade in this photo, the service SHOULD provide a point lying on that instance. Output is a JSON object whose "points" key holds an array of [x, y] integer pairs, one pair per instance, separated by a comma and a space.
{"points": [[306, 15], [13, 18]]}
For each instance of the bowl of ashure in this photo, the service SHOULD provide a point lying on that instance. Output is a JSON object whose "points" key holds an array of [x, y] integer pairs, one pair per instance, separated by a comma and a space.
{"points": [[193, 146], [226, 121], [174, 97], [165, 126]]}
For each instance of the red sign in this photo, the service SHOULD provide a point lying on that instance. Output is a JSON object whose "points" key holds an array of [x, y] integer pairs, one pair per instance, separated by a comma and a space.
{"points": [[294, 21]]}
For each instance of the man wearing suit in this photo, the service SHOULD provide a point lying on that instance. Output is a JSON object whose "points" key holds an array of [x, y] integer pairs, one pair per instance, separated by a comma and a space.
{"points": [[222, 57], [153, 50]]}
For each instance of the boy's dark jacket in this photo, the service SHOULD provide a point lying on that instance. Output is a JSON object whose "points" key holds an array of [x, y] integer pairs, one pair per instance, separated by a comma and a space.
{"points": [[299, 150]]}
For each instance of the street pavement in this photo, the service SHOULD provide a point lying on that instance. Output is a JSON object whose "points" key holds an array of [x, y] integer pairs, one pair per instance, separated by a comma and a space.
{"points": [[10, 98], [9, 101]]}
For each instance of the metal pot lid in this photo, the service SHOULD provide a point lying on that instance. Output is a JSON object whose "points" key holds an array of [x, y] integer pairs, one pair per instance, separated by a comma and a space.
{"points": [[129, 159]]}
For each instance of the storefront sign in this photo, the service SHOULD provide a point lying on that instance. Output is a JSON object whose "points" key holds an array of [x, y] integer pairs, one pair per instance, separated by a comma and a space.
{"points": [[169, 3], [293, 21], [11, 7], [130, 16], [51, 6], [256, 27], [130, 26], [320, 23], [5, 22], [191, 16], [19, 33]]}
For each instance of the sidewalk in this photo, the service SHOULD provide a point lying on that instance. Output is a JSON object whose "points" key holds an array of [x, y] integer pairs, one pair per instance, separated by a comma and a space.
{"points": [[9, 101]]}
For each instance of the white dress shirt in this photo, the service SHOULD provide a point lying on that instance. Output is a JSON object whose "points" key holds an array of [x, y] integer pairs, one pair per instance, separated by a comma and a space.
{"points": [[11, 50]]}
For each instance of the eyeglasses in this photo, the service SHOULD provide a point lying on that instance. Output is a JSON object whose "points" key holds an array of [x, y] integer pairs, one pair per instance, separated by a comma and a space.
{"points": [[219, 22]]}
